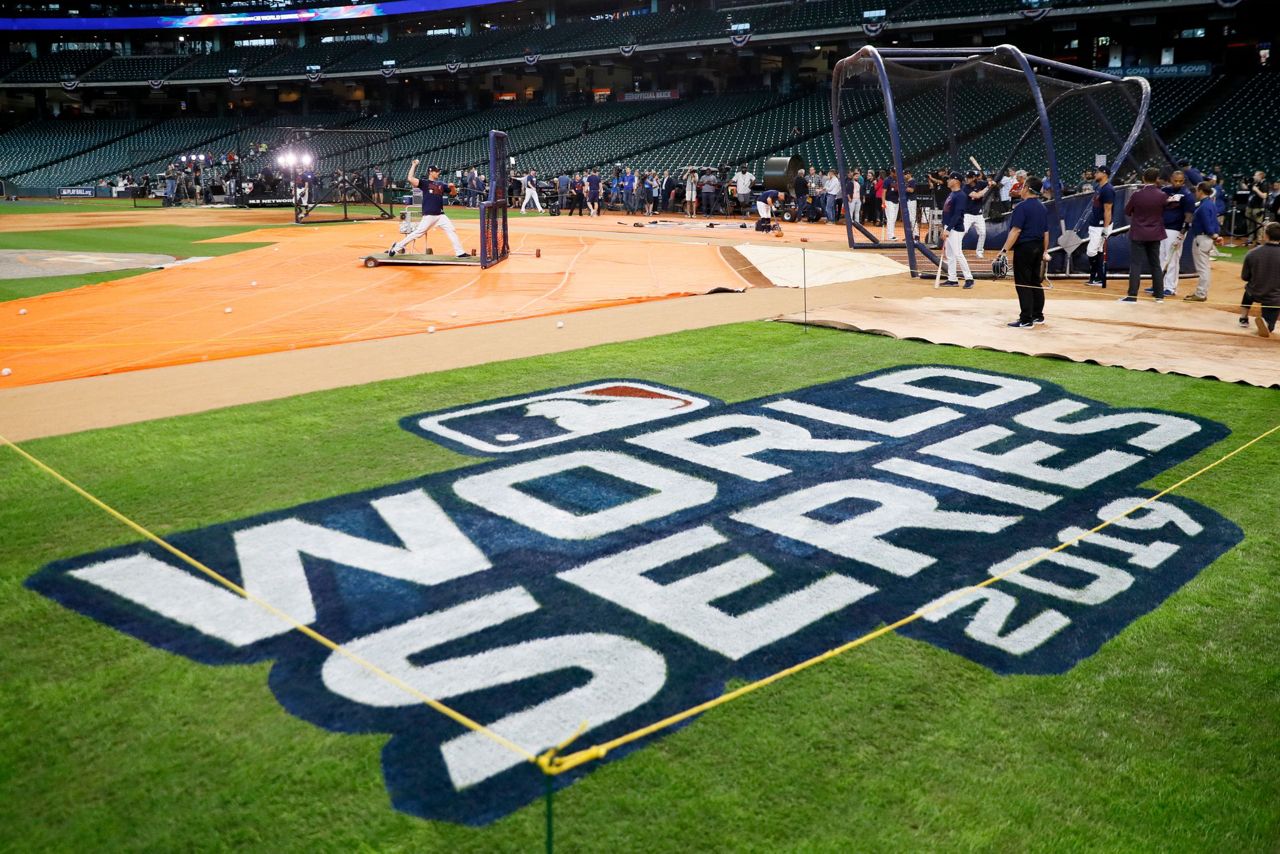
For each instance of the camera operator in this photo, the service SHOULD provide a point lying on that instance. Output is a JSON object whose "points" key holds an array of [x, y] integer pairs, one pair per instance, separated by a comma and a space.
{"points": [[1255, 207]]}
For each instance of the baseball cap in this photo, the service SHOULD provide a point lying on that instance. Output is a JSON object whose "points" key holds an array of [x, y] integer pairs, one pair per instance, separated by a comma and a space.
{"points": [[1105, 170], [433, 169], [955, 175], [972, 173]]}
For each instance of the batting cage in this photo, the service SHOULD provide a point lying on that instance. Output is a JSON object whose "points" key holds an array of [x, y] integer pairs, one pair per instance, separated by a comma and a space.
{"points": [[494, 244], [335, 175], [985, 113]]}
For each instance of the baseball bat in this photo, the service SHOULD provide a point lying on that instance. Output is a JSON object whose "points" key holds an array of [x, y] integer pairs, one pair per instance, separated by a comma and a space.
{"points": [[937, 277], [976, 164]]}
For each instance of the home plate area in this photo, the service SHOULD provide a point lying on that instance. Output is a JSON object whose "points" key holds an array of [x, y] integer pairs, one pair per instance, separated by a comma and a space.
{"points": [[621, 550], [34, 263]]}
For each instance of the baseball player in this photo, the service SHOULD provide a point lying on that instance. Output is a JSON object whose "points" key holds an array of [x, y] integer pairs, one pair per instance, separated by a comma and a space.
{"points": [[892, 207], [434, 192], [1178, 211], [1103, 201], [976, 189], [765, 203], [954, 228], [530, 182]]}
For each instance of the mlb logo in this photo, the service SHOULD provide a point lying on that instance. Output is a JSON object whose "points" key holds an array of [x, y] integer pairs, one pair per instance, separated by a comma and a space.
{"points": [[552, 417]]}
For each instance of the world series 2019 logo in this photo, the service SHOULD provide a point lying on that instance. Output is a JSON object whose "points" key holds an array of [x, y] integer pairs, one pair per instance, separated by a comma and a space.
{"points": [[628, 548]]}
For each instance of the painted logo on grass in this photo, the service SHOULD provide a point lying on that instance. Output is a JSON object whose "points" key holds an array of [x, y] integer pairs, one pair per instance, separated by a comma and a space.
{"points": [[637, 546]]}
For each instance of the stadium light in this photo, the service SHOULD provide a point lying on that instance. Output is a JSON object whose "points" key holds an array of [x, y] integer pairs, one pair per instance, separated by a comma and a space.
{"points": [[306, 159], [280, 161]]}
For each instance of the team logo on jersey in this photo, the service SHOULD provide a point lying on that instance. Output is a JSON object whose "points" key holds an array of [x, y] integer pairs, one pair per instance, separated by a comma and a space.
{"points": [[629, 548]]}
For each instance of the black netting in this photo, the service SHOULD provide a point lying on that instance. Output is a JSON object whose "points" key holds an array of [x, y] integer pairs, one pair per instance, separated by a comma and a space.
{"points": [[494, 243], [984, 107]]}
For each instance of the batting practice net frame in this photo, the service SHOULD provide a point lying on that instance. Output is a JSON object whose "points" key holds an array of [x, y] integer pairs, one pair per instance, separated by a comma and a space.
{"points": [[333, 169], [494, 242], [920, 110]]}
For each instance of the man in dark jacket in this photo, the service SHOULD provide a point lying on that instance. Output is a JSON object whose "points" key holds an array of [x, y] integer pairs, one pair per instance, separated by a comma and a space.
{"points": [[1145, 210], [1261, 273]]}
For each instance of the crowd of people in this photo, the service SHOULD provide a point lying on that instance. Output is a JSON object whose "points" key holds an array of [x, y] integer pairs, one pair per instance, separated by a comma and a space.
{"points": [[1171, 208]]}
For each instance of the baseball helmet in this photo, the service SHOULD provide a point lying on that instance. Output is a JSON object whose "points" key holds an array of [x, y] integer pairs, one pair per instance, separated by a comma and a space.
{"points": [[972, 173], [1000, 267]]}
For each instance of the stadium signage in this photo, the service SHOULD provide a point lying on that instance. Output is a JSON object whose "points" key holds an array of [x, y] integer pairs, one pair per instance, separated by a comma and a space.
{"points": [[1181, 69], [627, 548], [655, 95], [75, 192], [236, 19]]}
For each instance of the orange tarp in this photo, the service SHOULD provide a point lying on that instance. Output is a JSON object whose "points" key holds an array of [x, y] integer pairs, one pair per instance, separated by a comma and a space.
{"points": [[310, 289]]}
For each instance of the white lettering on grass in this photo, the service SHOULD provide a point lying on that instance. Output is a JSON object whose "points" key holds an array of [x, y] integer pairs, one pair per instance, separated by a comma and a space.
{"points": [[1145, 555], [685, 607], [1003, 389], [1165, 430], [960, 482], [988, 624], [496, 491], [1149, 517], [1025, 459], [1107, 580], [734, 457], [624, 675], [271, 569], [860, 537], [908, 425]]}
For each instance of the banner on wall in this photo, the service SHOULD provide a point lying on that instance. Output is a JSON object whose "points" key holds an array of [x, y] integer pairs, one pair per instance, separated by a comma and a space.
{"points": [[655, 95]]}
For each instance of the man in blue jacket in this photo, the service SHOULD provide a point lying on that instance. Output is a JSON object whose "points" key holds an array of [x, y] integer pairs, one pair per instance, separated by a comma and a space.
{"points": [[1204, 236], [1029, 240], [1177, 218], [953, 229]]}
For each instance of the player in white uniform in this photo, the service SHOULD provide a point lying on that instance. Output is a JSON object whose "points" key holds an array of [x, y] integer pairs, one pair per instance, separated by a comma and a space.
{"points": [[530, 182], [434, 192], [975, 190]]}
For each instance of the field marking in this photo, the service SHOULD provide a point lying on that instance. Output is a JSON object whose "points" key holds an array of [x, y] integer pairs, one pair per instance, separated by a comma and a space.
{"points": [[358, 660], [552, 763]]}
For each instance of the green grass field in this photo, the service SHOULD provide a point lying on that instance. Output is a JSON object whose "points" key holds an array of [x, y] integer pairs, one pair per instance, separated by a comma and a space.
{"points": [[1168, 739]]}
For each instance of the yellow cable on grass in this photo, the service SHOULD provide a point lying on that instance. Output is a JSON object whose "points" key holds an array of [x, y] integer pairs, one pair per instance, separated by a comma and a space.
{"points": [[552, 763], [360, 661]]}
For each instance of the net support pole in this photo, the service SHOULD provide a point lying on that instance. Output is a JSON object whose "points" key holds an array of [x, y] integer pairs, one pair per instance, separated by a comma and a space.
{"points": [[872, 55], [1054, 176]]}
